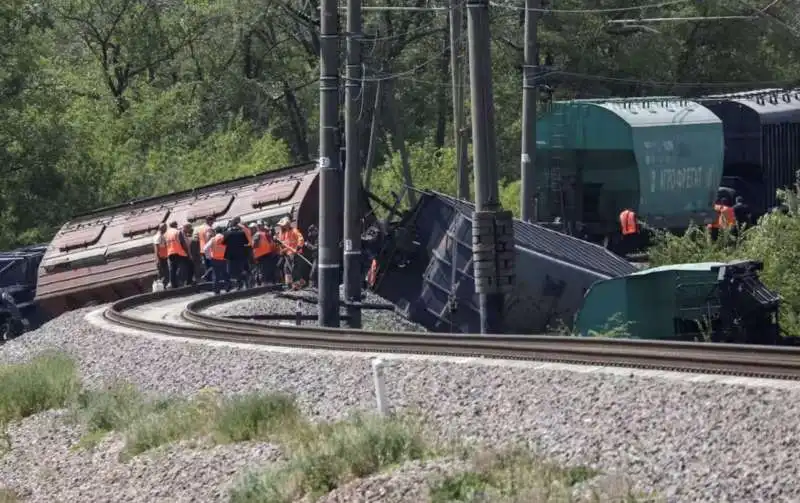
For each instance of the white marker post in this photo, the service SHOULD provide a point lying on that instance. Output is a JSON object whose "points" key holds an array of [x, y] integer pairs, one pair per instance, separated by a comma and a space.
{"points": [[380, 386]]}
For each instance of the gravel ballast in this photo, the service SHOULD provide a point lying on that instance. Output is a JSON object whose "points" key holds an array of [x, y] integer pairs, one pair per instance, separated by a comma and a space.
{"points": [[688, 441], [289, 302]]}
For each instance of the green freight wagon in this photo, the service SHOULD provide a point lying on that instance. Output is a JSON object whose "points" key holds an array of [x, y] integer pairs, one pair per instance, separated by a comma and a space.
{"points": [[703, 301], [663, 158]]}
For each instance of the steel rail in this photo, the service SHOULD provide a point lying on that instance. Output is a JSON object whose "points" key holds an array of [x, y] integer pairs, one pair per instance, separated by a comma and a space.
{"points": [[733, 359]]}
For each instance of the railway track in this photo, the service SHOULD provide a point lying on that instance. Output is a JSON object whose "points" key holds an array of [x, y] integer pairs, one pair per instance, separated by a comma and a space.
{"points": [[730, 359]]}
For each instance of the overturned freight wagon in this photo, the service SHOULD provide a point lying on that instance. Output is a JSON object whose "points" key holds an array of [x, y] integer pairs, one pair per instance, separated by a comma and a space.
{"points": [[660, 157], [710, 301], [108, 254], [428, 272], [762, 143]]}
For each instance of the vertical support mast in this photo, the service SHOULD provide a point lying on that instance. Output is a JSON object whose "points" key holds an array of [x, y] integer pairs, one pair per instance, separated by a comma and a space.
{"points": [[457, 77], [529, 95], [352, 174], [492, 228], [330, 187]]}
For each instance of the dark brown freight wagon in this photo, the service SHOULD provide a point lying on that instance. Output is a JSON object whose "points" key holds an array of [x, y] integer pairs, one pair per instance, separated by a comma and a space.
{"points": [[108, 254]]}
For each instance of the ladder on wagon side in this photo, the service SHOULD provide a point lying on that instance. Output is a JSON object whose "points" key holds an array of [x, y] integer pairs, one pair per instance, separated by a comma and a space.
{"points": [[559, 184]]}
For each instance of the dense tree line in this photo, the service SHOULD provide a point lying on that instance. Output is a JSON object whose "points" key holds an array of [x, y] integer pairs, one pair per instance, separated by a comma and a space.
{"points": [[106, 100]]}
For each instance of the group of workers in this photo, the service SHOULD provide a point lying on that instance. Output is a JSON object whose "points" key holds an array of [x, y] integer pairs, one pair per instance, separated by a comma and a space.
{"points": [[238, 256], [726, 217]]}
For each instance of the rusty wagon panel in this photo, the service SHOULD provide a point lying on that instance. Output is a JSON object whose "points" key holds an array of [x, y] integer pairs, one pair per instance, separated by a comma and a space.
{"points": [[108, 254]]}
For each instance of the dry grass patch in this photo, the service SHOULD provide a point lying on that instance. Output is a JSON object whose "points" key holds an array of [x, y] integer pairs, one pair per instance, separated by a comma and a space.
{"points": [[517, 476]]}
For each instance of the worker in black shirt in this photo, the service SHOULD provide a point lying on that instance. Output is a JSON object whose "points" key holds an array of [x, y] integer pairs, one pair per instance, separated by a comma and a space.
{"points": [[742, 212], [236, 252], [311, 249]]}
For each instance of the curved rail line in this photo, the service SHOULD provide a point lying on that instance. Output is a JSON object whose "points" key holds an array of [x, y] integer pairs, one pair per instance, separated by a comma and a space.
{"points": [[733, 359]]}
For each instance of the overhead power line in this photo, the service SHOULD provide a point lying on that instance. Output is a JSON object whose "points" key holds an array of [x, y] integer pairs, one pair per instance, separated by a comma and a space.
{"points": [[502, 5], [591, 11], [668, 19]]}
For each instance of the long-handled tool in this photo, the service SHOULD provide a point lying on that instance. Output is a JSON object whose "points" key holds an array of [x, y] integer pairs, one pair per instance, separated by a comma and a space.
{"points": [[297, 253]]}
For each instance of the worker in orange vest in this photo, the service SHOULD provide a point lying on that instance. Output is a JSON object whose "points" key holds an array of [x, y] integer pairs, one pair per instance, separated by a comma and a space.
{"points": [[264, 255], [177, 253], [202, 234], [214, 251], [160, 252], [629, 228], [725, 217], [292, 242]]}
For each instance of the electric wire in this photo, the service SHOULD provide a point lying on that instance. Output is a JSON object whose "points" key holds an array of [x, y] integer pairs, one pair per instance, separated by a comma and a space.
{"points": [[608, 10]]}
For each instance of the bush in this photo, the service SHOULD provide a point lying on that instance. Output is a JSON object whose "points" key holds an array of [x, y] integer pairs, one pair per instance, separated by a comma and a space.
{"points": [[49, 381]]}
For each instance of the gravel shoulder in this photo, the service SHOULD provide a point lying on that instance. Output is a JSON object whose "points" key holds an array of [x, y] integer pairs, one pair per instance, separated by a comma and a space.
{"points": [[688, 441]]}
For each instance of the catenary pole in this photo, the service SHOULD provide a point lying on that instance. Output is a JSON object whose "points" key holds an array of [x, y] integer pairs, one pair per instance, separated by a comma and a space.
{"points": [[457, 78], [492, 231], [330, 187], [352, 173], [529, 95]]}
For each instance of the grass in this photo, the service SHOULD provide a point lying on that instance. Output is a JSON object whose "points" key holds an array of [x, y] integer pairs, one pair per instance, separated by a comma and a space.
{"points": [[516, 476], [325, 456], [149, 423], [49, 381]]}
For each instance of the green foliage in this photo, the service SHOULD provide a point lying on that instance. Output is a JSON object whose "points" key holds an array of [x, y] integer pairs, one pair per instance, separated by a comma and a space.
{"points": [[325, 456], [106, 100], [510, 197], [48, 381], [616, 327], [431, 168]]}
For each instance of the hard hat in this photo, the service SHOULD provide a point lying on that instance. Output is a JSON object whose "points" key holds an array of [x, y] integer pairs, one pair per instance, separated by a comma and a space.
{"points": [[283, 222]]}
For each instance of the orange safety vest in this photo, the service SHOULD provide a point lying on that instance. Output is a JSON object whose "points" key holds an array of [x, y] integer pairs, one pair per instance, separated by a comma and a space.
{"points": [[264, 246], [627, 222], [248, 234], [725, 219], [292, 240], [202, 235], [217, 248], [172, 237], [161, 248], [372, 275]]}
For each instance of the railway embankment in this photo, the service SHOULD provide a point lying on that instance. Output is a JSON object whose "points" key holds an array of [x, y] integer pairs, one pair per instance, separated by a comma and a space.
{"points": [[686, 440]]}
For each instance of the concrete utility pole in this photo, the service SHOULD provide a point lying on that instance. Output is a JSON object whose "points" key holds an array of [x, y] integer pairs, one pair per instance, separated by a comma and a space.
{"points": [[492, 228], [352, 173], [457, 77], [529, 95], [330, 186]]}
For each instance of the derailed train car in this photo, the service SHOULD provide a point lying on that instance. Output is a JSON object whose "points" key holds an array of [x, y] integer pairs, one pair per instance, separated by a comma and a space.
{"points": [[427, 271], [108, 254]]}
